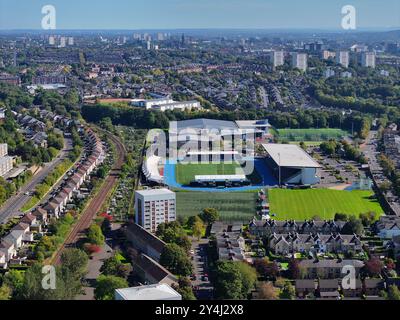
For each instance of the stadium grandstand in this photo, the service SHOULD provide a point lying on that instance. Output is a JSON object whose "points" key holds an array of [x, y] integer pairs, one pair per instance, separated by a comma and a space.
{"points": [[291, 164], [151, 169]]}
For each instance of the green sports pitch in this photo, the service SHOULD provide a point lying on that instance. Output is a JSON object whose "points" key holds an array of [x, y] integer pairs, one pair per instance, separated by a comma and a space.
{"points": [[232, 206], [185, 173], [324, 203], [297, 135]]}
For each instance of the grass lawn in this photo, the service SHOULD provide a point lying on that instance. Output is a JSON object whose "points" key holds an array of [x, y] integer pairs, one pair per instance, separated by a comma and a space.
{"points": [[304, 204], [307, 143], [232, 206], [185, 172], [313, 135]]}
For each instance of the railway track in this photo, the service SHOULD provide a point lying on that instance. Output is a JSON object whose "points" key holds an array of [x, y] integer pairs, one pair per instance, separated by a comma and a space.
{"points": [[96, 203]]}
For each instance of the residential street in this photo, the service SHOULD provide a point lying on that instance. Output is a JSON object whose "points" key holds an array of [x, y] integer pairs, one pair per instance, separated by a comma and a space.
{"points": [[13, 205], [203, 288]]}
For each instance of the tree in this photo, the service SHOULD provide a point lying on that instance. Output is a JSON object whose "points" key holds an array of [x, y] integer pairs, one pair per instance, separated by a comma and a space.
{"points": [[73, 268], [95, 235], [267, 291], [374, 266], [209, 215], [393, 293], [368, 218], [294, 269], [101, 172], [5, 293], [266, 269], [75, 261], [353, 226], [173, 232], [228, 282], [176, 260], [288, 292], [198, 228], [248, 277], [14, 280], [340, 217], [112, 266], [32, 288], [106, 286]]}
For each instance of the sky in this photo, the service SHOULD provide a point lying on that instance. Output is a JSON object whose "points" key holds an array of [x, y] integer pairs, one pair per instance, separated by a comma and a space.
{"points": [[199, 14]]}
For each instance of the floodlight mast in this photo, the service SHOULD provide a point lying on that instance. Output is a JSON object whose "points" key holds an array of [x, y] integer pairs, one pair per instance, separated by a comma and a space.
{"points": [[279, 165]]}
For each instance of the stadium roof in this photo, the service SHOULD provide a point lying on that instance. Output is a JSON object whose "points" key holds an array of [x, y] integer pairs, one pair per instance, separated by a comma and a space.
{"points": [[290, 155], [209, 124], [237, 177], [253, 124], [213, 152]]}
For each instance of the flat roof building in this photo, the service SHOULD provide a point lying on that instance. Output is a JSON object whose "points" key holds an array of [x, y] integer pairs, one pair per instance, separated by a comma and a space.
{"points": [[150, 292], [343, 58], [368, 59], [6, 165], [299, 61], [165, 103], [277, 58]]}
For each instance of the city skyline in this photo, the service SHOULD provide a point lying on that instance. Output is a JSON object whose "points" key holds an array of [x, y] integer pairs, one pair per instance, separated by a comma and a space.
{"points": [[189, 14]]}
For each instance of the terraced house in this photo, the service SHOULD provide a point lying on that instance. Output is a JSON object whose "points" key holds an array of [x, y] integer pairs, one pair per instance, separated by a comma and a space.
{"points": [[318, 243], [268, 227]]}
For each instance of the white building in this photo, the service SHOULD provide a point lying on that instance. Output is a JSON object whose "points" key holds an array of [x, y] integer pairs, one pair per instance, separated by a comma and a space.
{"points": [[63, 42], [368, 59], [3, 149], [52, 40], [346, 74], [277, 58], [71, 41], [329, 73], [299, 61], [343, 58], [166, 103], [153, 207], [6, 165], [151, 292]]}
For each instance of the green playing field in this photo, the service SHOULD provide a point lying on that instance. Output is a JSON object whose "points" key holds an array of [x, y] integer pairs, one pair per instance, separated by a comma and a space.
{"points": [[185, 173], [304, 204]]}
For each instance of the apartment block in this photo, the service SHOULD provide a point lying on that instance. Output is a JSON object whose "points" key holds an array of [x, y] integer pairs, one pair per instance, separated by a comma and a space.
{"points": [[153, 207]]}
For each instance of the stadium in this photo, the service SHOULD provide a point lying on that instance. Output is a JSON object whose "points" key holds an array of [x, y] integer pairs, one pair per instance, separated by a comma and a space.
{"points": [[195, 165]]}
